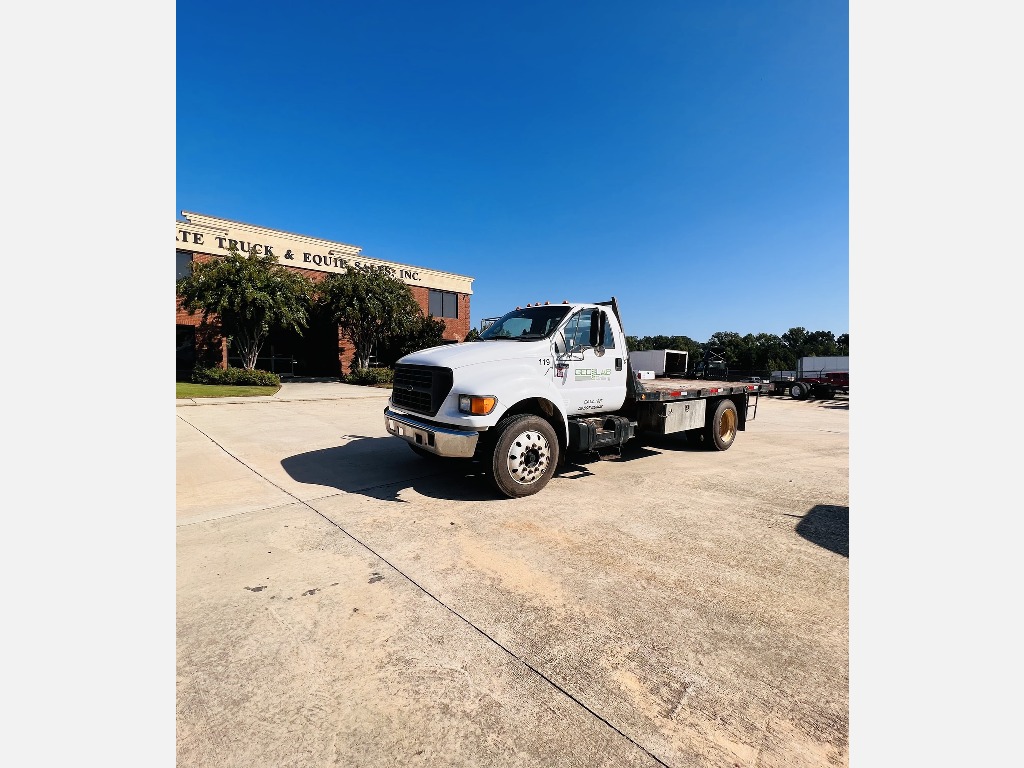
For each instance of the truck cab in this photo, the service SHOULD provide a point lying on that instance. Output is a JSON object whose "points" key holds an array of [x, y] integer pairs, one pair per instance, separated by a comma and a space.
{"points": [[551, 361]]}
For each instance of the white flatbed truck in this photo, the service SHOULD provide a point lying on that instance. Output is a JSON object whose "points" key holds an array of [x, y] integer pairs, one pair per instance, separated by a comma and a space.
{"points": [[546, 381]]}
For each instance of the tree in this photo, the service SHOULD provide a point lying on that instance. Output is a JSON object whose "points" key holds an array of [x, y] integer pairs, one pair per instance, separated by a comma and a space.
{"points": [[795, 340], [250, 294], [769, 353], [473, 335], [821, 344], [733, 345], [422, 333], [370, 306]]}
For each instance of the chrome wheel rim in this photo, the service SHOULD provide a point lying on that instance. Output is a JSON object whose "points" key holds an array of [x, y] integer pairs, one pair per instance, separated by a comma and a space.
{"points": [[529, 457]]}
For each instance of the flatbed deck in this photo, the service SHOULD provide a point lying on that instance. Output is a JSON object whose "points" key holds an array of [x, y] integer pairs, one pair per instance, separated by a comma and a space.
{"points": [[659, 390]]}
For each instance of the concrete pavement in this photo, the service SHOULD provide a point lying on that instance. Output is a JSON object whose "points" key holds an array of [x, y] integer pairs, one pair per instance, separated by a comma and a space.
{"points": [[344, 602]]}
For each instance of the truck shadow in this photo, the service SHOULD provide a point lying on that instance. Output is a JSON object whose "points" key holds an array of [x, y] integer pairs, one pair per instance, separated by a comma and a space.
{"points": [[828, 526], [382, 468]]}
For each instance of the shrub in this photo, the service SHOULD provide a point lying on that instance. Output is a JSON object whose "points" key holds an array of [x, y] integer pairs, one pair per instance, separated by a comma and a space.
{"points": [[369, 377], [242, 377]]}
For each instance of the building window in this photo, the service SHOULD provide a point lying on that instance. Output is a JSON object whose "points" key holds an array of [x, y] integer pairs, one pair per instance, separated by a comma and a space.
{"points": [[184, 259], [444, 304]]}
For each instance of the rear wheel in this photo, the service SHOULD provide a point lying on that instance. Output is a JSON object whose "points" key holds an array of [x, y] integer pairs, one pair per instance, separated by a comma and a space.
{"points": [[723, 426], [525, 456], [797, 391]]}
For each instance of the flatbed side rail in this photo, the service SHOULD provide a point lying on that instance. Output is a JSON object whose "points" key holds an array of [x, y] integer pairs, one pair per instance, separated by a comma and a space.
{"points": [[692, 390]]}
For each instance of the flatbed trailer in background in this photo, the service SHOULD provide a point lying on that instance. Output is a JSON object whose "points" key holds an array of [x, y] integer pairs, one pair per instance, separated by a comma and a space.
{"points": [[814, 377]]}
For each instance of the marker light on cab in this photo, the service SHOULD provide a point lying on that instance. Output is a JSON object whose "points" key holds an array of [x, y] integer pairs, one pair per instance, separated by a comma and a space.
{"points": [[477, 405]]}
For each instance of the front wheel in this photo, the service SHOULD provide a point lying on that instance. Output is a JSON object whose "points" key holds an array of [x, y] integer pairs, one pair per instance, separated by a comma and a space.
{"points": [[525, 456]]}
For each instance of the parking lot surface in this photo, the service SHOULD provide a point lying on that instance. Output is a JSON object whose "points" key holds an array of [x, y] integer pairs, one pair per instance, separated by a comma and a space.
{"points": [[341, 601]]}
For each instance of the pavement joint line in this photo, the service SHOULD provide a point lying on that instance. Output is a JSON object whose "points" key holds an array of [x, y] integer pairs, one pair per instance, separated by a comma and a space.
{"points": [[437, 600], [290, 503], [234, 514]]}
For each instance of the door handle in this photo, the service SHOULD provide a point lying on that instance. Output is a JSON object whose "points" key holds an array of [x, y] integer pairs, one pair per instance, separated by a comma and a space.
{"points": [[618, 363]]}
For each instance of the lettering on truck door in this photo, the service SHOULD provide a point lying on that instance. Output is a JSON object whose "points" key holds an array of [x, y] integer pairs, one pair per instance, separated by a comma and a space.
{"points": [[591, 380]]}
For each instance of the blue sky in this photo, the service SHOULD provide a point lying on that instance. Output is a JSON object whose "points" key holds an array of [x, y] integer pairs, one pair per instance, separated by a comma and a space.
{"points": [[690, 158]]}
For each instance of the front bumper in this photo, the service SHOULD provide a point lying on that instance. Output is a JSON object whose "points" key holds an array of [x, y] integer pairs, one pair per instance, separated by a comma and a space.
{"points": [[430, 437]]}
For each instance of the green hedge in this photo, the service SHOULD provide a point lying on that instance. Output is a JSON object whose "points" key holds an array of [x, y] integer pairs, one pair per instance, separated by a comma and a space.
{"points": [[238, 376], [368, 377]]}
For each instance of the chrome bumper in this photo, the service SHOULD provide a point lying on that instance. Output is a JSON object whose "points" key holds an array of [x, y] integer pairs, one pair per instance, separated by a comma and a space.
{"points": [[444, 442]]}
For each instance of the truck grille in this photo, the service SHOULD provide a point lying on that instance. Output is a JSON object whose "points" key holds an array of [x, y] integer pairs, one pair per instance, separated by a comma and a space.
{"points": [[421, 388]]}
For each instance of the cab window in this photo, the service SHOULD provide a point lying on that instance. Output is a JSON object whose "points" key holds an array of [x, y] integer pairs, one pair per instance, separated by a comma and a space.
{"points": [[577, 330]]}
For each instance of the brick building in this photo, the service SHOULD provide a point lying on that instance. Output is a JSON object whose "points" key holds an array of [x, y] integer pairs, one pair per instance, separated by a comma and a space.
{"points": [[322, 350]]}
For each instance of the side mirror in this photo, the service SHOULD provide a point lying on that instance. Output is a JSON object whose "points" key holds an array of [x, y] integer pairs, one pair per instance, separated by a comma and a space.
{"points": [[596, 328]]}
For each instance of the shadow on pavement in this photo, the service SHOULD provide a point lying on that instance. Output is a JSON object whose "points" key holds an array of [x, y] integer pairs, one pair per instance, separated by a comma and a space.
{"points": [[383, 467], [827, 526], [834, 404]]}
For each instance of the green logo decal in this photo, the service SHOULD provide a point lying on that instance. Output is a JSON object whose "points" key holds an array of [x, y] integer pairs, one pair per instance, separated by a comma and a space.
{"points": [[590, 374]]}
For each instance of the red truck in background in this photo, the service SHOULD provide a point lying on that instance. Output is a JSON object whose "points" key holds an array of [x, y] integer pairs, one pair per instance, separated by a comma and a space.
{"points": [[822, 377]]}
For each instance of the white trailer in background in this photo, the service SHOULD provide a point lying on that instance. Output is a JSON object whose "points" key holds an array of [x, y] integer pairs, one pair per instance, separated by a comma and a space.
{"points": [[815, 366], [663, 362]]}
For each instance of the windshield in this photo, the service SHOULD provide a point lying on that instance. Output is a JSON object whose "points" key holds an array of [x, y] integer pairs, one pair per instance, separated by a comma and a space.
{"points": [[526, 324]]}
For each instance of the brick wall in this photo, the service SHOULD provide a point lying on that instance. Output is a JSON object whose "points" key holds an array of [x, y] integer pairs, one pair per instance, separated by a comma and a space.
{"points": [[211, 346], [456, 328]]}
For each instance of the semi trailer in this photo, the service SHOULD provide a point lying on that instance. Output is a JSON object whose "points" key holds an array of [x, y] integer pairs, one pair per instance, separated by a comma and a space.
{"points": [[814, 377]]}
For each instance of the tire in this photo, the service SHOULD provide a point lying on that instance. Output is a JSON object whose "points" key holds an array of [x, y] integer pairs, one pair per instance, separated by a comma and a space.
{"points": [[722, 430], [424, 453], [524, 457], [797, 391], [826, 393]]}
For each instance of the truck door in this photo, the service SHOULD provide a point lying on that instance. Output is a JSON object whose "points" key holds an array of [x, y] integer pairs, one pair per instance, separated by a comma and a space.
{"points": [[591, 379]]}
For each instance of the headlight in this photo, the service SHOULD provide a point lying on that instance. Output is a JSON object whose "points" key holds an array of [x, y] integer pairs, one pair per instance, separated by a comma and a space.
{"points": [[477, 405]]}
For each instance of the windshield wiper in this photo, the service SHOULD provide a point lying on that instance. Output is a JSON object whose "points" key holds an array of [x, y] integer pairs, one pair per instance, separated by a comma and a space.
{"points": [[529, 337]]}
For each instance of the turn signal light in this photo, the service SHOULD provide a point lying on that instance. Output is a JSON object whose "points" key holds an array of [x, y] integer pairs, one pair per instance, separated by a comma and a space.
{"points": [[477, 405]]}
